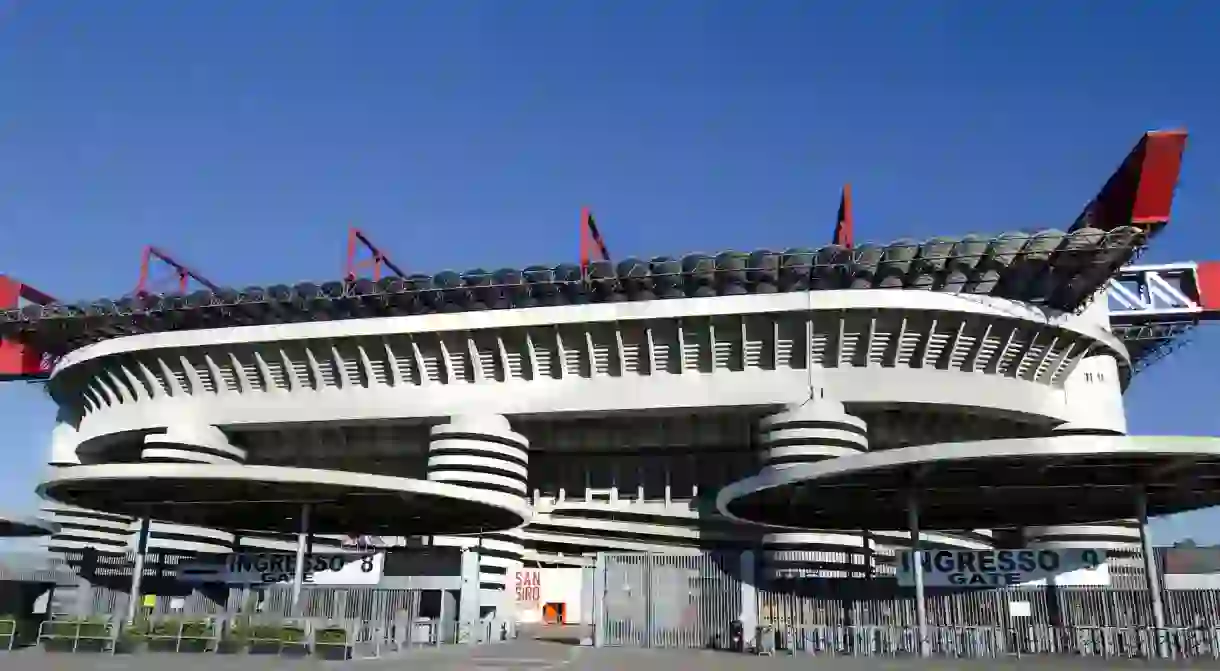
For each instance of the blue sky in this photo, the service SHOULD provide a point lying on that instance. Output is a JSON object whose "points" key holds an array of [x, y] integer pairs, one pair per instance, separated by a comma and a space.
{"points": [[246, 136]]}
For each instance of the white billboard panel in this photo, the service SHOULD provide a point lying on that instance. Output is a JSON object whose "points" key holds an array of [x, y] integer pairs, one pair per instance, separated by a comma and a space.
{"points": [[271, 568], [1006, 568]]}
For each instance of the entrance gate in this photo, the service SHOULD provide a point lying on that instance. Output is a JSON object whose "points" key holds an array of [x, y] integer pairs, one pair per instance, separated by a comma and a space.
{"points": [[670, 601]]}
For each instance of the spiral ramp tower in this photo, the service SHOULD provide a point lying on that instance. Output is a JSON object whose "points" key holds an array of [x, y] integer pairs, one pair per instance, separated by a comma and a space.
{"points": [[816, 430], [106, 533], [1095, 396], [483, 452], [83, 531]]}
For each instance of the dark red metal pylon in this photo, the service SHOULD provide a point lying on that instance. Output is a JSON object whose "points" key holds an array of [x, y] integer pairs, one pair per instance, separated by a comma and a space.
{"points": [[377, 259], [18, 360], [590, 240], [1140, 192], [183, 272], [844, 230]]}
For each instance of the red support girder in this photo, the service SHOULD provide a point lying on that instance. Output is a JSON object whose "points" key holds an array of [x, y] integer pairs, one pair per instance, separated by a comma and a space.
{"points": [[1207, 286], [844, 229], [356, 239], [183, 273], [590, 240], [20, 361], [1140, 192]]}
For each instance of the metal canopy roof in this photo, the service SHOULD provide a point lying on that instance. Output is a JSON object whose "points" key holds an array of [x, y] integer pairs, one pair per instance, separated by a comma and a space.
{"points": [[25, 527], [270, 498], [986, 484]]}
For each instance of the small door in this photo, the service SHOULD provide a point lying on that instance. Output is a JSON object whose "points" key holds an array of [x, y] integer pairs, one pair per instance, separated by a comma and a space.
{"points": [[553, 613]]}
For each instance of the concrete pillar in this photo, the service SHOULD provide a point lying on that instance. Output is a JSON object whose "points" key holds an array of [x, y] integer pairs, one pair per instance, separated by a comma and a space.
{"points": [[302, 555], [586, 595], [1152, 573], [468, 600], [599, 595], [921, 612], [137, 571], [749, 596], [447, 621]]}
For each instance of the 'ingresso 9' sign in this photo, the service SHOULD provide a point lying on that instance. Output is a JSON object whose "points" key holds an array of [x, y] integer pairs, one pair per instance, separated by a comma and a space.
{"points": [[1001, 568]]}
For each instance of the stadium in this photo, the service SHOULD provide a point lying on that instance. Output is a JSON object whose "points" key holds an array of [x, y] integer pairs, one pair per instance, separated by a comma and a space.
{"points": [[685, 406]]}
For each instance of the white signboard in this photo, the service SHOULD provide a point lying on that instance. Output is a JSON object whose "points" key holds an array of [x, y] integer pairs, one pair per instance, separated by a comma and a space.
{"points": [[270, 568], [1005, 568]]}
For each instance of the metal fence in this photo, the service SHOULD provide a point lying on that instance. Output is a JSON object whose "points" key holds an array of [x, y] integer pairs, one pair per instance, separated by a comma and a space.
{"points": [[996, 642], [685, 601], [37, 567], [91, 584], [682, 601], [272, 603], [881, 602]]}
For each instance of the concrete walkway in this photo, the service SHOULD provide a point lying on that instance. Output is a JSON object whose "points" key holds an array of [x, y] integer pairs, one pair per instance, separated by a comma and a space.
{"points": [[549, 656]]}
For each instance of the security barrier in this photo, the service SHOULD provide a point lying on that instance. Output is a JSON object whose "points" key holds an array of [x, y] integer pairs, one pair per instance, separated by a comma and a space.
{"points": [[176, 635], [78, 635], [698, 601], [995, 642], [8, 634], [333, 640], [669, 601]]}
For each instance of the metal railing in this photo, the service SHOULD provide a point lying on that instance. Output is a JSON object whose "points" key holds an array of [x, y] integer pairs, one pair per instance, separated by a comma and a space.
{"points": [[69, 635], [1178, 643], [346, 639], [8, 633], [177, 635]]}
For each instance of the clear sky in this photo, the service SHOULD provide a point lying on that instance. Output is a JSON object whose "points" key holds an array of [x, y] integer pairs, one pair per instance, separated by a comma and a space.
{"points": [[246, 136]]}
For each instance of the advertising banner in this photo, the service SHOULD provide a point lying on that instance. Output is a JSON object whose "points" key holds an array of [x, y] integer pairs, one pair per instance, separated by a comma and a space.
{"points": [[270, 568], [1005, 568]]}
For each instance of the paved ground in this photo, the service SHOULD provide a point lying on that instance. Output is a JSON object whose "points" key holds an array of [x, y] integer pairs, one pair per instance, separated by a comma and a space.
{"points": [[544, 656]]}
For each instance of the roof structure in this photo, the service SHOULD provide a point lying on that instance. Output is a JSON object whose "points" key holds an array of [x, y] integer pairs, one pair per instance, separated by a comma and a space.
{"points": [[986, 484], [1051, 268], [1058, 270], [25, 527], [269, 498]]}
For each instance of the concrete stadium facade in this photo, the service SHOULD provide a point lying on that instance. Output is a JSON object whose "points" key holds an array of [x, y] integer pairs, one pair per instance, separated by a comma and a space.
{"points": [[618, 422]]}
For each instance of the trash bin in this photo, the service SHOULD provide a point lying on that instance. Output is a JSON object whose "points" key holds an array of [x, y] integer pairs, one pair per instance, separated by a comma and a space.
{"points": [[737, 638]]}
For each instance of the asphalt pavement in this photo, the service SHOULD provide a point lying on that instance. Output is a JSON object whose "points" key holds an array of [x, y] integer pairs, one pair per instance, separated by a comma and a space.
{"points": [[534, 655]]}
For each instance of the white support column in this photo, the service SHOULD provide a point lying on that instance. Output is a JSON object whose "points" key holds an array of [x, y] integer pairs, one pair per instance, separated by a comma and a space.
{"points": [[921, 611], [749, 597], [599, 601], [586, 600], [468, 600], [298, 574], [137, 571], [1151, 573]]}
